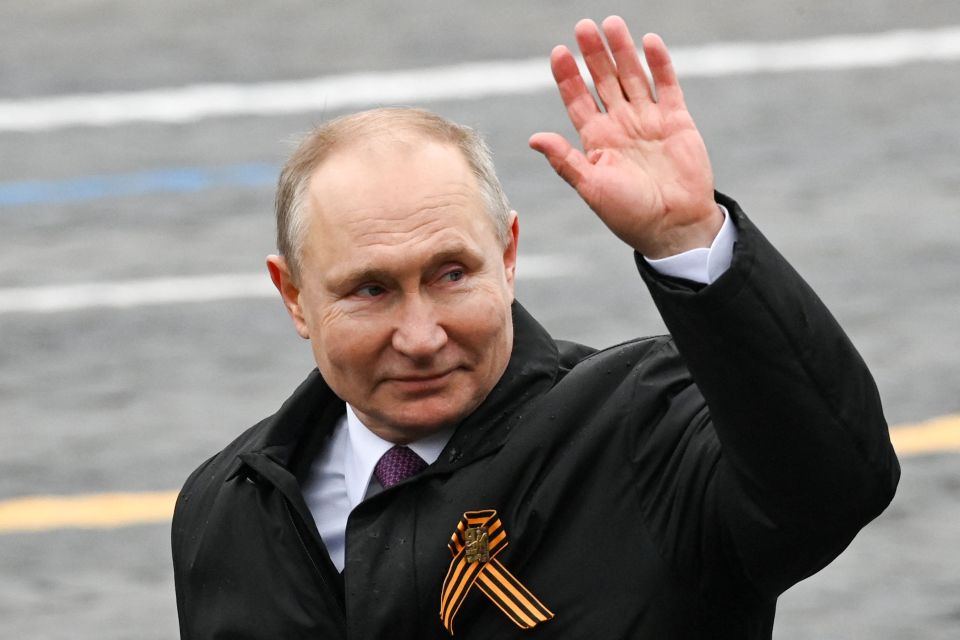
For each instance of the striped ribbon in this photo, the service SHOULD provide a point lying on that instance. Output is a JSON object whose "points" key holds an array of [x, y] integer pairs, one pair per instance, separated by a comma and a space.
{"points": [[489, 576]]}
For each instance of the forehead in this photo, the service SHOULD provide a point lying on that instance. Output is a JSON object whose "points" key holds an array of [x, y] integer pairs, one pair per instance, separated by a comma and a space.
{"points": [[407, 195], [388, 172]]}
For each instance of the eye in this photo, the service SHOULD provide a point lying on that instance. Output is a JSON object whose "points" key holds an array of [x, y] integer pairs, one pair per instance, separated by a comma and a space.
{"points": [[370, 291], [454, 275]]}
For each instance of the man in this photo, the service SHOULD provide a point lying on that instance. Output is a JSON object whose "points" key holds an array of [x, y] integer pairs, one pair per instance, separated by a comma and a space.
{"points": [[452, 469]]}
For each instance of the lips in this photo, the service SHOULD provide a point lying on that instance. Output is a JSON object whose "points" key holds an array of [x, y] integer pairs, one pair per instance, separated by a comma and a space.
{"points": [[419, 383], [421, 378]]}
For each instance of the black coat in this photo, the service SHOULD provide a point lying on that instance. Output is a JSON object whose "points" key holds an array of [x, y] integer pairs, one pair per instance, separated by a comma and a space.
{"points": [[631, 509]]}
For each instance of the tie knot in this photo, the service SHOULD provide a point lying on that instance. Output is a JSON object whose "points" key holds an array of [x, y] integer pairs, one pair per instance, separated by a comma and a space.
{"points": [[396, 465]]}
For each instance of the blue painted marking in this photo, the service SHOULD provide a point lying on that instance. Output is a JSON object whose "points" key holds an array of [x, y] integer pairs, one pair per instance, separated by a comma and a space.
{"points": [[175, 180]]}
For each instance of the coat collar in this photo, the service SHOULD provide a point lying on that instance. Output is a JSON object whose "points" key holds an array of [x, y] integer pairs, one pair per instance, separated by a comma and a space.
{"points": [[293, 435]]}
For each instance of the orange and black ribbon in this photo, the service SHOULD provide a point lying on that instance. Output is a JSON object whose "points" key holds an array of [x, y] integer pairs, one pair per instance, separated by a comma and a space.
{"points": [[472, 567]]}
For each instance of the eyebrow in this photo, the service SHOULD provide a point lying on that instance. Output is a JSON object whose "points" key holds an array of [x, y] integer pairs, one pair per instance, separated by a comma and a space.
{"points": [[454, 252]]}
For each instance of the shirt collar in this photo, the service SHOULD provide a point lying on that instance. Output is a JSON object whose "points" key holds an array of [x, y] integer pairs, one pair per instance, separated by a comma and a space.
{"points": [[364, 449]]}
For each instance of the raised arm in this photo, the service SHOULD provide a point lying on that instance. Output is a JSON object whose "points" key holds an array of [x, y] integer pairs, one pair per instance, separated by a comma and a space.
{"points": [[793, 456]]}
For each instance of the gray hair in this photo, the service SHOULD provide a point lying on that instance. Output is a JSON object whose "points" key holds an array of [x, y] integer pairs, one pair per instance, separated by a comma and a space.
{"points": [[340, 132]]}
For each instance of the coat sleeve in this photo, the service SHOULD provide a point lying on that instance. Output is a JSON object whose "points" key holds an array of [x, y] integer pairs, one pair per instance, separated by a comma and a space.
{"points": [[804, 457]]}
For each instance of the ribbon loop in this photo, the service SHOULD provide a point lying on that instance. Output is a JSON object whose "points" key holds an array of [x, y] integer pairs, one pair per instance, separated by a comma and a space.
{"points": [[475, 544]]}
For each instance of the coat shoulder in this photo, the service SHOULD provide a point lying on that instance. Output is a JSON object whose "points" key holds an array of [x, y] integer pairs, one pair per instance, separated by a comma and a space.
{"points": [[221, 464], [200, 490], [651, 353]]}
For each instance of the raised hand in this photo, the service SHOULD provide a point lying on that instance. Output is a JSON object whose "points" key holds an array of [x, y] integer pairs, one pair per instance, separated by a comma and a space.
{"points": [[644, 168]]}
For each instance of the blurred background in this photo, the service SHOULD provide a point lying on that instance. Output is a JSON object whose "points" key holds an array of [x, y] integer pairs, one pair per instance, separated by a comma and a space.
{"points": [[139, 146]]}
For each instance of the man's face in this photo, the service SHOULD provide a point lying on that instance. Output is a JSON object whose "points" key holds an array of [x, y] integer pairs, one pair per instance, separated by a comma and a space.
{"points": [[405, 289]]}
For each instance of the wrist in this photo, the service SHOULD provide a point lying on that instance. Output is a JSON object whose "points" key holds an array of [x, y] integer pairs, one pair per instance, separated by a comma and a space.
{"points": [[701, 265], [695, 235]]}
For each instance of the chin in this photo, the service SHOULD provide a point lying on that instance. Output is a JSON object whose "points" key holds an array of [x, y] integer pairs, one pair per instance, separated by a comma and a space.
{"points": [[424, 417]]}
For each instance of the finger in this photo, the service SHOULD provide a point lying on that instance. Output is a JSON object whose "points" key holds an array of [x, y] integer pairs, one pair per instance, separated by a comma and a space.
{"points": [[599, 63], [661, 68], [633, 79], [576, 97], [568, 161]]}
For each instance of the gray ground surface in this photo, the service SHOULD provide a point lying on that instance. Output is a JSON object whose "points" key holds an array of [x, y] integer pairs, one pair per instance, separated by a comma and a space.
{"points": [[854, 174]]}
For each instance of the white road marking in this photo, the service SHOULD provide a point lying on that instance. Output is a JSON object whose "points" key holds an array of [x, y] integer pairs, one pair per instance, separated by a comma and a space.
{"points": [[134, 293], [177, 290], [460, 82]]}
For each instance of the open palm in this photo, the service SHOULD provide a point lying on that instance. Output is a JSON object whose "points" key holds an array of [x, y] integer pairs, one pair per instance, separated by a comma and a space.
{"points": [[644, 168]]}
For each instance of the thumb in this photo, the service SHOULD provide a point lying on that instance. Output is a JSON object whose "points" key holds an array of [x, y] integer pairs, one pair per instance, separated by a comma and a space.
{"points": [[568, 161]]}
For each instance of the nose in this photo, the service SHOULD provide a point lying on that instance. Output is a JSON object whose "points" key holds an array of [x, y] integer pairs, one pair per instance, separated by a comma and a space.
{"points": [[419, 334]]}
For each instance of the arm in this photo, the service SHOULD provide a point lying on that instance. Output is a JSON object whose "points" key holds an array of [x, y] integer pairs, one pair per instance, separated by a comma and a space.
{"points": [[805, 459]]}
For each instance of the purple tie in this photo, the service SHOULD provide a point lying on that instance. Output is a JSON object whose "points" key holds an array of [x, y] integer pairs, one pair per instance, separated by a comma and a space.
{"points": [[396, 465]]}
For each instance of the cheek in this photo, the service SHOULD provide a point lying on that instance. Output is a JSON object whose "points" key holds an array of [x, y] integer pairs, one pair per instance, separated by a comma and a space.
{"points": [[345, 347], [485, 324]]}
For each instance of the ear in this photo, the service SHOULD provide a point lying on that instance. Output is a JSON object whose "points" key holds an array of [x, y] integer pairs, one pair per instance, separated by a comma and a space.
{"points": [[510, 252], [289, 291]]}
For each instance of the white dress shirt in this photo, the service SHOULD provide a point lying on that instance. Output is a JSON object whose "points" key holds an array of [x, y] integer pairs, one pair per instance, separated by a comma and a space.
{"points": [[341, 476]]}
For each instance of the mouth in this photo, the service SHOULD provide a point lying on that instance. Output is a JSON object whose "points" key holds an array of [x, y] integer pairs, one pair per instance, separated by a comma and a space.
{"points": [[422, 383]]}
